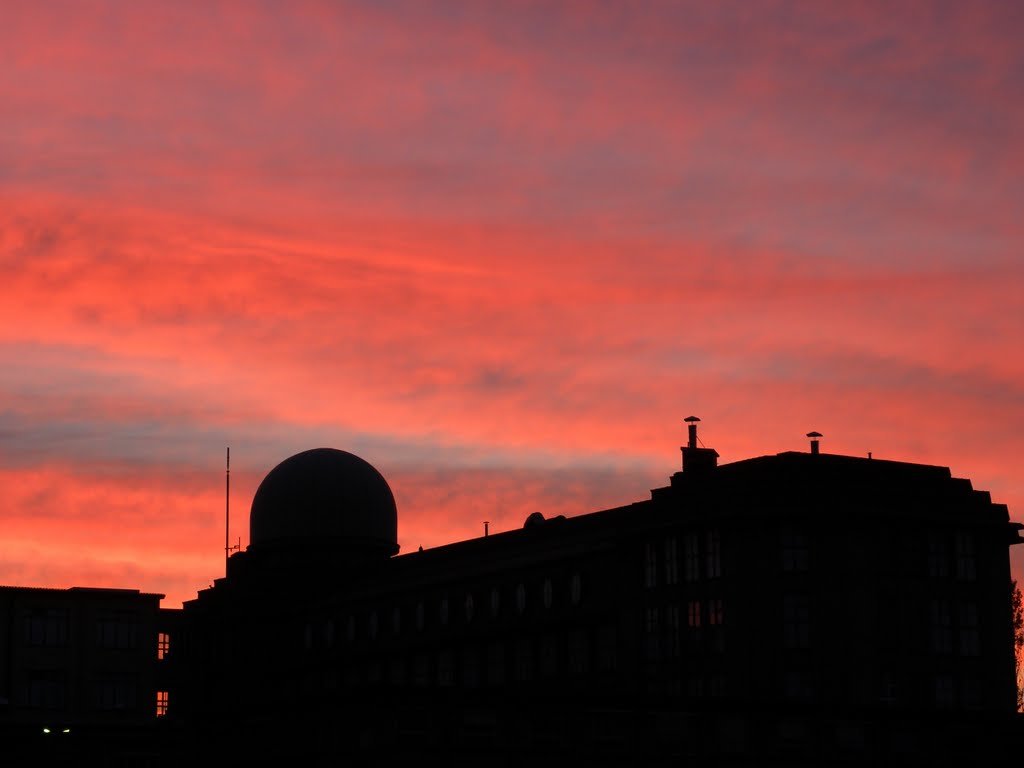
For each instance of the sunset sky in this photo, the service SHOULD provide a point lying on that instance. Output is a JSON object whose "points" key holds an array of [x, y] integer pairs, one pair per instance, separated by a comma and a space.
{"points": [[499, 250]]}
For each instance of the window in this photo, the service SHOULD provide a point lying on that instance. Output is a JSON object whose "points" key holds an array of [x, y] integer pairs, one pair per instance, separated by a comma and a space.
{"points": [[938, 559], [46, 689], [163, 645], [520, 598], [442, 611], [469, 607], [969, 629], [115, 693], [575, 588], [420, 670], [941, 627], [524, 661], [691, 557], [118, 631], [672, 619], [396, 620], [307, 636], [693, 614], [796, 616], [446, 669], [161, 703], [794, 550], [579, 651], [651, 631], [495, 664], [671, 561], [419, 616], [350, 628], [46, 627], [547, 593], [607, 651], [471, 668], [548, 656], [495, 602], [966, 567], [945, 696], [650, 565], [716, 614], [371, 626], [713, 555]]}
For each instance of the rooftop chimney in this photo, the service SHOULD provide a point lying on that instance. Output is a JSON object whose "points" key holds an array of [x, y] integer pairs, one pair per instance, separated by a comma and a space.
{"points": [[697, 459], [814, 442]]}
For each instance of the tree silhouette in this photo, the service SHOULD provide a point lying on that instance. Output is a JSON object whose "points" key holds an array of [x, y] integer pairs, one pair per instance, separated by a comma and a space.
{"points": [[1017, 601]]}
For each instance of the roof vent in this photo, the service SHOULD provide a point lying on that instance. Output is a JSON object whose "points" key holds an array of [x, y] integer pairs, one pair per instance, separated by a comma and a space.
{"points": [[814, 442]]}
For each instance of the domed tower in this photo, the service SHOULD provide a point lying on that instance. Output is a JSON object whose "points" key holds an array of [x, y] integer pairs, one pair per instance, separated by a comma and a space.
{"points": [[319, 510]]}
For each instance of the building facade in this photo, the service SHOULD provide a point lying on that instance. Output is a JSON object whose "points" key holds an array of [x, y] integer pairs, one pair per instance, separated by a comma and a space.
{"points": [[807, 608]]}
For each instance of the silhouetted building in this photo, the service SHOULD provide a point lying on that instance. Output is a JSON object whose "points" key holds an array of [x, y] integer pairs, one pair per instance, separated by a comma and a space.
{"points": [[801, 607], [78, 671]]}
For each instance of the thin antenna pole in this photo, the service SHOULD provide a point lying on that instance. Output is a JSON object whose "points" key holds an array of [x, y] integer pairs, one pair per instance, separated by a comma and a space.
{"points": [[227, 509]]}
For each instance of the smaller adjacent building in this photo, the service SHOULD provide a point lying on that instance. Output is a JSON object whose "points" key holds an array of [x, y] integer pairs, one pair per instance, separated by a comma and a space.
{"points": [[80, 668]]}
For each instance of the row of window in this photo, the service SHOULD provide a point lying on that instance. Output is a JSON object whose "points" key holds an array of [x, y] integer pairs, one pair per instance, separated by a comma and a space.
{"points": [[702, 555], [568, 655], [444, 611], [664, 636], [965, 631], [47, 690], [49, 628]]}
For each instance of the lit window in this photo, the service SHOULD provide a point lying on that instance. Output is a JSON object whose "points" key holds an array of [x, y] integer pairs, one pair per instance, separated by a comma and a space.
{"points": [[161, 703], [716, 614], [693, 614], [671, 561], [163, 645], [650, 565], [547, 593], [713, 555], [691, 557]]}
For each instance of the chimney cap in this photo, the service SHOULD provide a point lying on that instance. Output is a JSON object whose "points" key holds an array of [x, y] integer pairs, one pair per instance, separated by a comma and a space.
{"points": [[814, 434], [692, 419]]}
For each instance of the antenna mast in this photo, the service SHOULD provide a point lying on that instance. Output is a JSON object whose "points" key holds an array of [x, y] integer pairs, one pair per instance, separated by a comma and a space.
{"points": [[228, 549]]}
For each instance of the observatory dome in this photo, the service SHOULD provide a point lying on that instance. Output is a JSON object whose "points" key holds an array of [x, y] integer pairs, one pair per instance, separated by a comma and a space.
{"points": [[326, 496]]}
